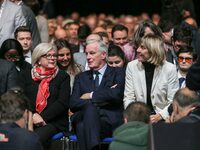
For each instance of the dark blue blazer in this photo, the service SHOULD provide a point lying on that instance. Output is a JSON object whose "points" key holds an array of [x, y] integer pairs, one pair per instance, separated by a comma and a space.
{"points": [[109, 100], [14, 137]]}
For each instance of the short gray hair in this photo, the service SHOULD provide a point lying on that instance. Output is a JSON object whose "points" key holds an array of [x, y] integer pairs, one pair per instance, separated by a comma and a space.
{"points": [[41, 49], [102, 45]]}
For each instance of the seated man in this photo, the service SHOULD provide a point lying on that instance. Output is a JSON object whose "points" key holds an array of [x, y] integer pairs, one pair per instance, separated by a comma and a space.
{"points": [[134, 133], [14, 117], [97, 98], [186, 106]]}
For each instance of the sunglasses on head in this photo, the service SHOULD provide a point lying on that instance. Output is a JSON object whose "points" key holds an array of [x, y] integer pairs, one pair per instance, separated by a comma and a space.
{"points": [[187, 59]]}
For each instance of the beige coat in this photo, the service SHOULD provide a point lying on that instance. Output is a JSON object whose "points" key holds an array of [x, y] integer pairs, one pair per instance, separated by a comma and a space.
{"points": [[164, 86]]}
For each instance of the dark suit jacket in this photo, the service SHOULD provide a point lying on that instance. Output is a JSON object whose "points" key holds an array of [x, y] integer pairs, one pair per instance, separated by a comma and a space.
{"points": [[56, 111], [8, 76], [18, 138], [109, 100]]}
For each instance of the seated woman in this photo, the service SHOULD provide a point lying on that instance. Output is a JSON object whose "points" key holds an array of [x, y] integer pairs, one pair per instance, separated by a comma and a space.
{"points": [[116, 57], [150, 78], [12, 50], [65, 60], [48, 89]]}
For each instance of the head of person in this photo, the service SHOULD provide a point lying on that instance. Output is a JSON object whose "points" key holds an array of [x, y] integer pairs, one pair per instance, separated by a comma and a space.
{"points": [[64, 53], [72, 29], [45, 56], [60, 33], [12, 50], [83, 32], [137, 111], [151, 49], [181, 37], [14, 107], [116, 57], [186, 57], [104, 36], [167, 27], [24, 36], [96, 53], [185, 100], [52, 27], [119, 35], [144, 28]]}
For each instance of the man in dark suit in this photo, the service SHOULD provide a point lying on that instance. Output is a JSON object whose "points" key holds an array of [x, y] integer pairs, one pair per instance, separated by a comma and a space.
{"points": [[97, 98], [14, 117], [8, 76]]}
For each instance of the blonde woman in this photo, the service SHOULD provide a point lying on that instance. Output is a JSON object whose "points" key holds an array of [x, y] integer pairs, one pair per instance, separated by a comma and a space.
{"points": [[150, 78]]}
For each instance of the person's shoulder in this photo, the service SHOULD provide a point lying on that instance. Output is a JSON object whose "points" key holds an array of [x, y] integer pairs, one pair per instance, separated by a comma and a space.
{"points": [[6, 64]]}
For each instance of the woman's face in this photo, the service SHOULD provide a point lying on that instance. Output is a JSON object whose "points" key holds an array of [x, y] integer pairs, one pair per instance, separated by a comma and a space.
{"points": [[115, 61], [64, 57], [12, 55], [49, 60], [142, 53]]}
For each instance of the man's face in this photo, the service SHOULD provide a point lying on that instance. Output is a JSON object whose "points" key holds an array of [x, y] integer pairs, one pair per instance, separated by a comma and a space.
{"points": [[73, 31], [177, 44], [25, 40], [185, 61], [120, 38], [95, 58]]}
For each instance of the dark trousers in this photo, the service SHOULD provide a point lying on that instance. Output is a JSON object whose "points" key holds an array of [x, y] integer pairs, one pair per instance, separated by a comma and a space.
{"points": [[90, 127], [45, 133]]}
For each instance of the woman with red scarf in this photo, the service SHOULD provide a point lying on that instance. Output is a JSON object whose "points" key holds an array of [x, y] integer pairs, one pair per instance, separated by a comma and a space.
{"points": [[48, 90]]}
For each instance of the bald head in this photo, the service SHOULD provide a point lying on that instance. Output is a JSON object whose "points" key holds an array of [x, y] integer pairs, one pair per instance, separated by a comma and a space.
{"points": [[186, 97]]}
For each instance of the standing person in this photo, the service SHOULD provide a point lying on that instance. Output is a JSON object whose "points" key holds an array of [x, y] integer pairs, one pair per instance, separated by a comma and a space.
{"points": [[48, 89], [151, 79], [133, 134], [14, 118], [30, 22], [24, 35], [65, 60], [97, 98], [11, 17]]}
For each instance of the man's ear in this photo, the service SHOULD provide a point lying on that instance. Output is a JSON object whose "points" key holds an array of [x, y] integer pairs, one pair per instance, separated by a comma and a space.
{"points": [[125, 120]]}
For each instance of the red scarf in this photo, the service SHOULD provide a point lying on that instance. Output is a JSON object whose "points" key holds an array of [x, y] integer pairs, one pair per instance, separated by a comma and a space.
{"points": [[43, 89]]}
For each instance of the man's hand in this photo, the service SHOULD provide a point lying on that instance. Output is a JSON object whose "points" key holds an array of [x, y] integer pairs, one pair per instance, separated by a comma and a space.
{"points": [[155, 118], [85, 96]]}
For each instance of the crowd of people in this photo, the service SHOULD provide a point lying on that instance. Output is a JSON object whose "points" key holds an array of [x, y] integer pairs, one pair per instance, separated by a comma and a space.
{"points": [[110, 76]]}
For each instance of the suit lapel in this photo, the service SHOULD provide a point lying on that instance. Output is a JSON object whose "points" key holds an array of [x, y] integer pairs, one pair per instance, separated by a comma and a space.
{"points": [[90, 80]]}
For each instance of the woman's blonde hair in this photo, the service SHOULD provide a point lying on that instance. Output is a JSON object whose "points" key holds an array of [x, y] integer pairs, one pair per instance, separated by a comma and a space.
{"points": [[155, 46], [41, 49]]}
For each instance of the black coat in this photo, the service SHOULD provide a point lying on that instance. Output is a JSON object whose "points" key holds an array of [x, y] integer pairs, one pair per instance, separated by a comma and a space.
{"points": [[18, 138], [56, 111], [8, 76]]}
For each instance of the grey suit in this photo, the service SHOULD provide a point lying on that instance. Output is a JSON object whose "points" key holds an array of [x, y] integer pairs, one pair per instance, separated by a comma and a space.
{"points": [[11, 18], [32, 24]]}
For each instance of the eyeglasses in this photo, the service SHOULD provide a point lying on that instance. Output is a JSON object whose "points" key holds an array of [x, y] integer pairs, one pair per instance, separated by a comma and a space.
{"points": [[50, 56], [9, 57], [187, 59]]}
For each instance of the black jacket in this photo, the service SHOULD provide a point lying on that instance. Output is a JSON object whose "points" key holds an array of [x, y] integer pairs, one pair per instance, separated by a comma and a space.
{"points": [[8, 76]]}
